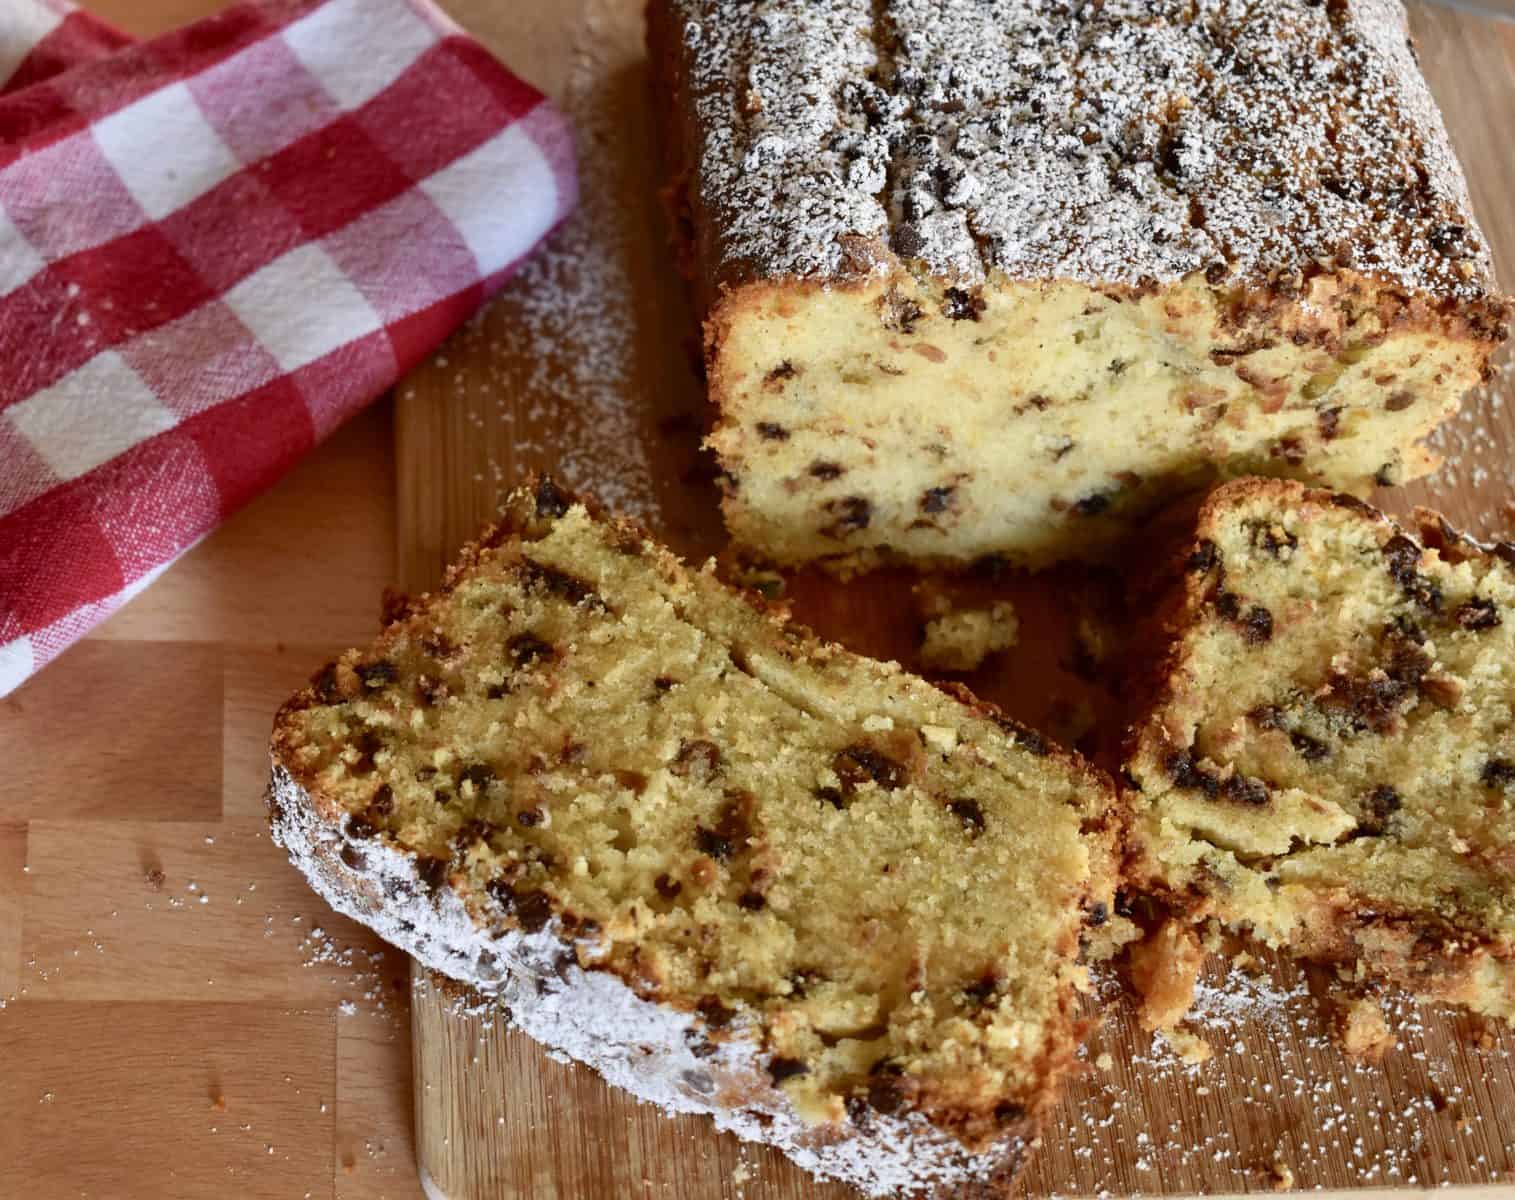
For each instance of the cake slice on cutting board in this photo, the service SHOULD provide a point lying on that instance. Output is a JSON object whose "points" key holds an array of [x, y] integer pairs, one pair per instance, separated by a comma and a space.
{"points": [[1327, 759], [994, 278], [736, 869]]}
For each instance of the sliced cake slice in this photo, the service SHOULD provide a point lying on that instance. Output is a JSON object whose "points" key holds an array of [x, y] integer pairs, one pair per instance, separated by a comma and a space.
{"points": [[1329, 757], [737, 870]]}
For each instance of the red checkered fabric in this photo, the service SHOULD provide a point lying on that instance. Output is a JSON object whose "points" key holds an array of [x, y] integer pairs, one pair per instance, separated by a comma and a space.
{"points": [[214, 248]]}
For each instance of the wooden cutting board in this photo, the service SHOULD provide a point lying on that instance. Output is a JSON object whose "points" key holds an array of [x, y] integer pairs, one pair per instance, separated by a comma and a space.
{"points": [[584, 367]]}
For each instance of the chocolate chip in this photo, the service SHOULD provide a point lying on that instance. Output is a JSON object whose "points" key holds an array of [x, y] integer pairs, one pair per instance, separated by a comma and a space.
{"points": [[377, 674], [1204, 556], [1008, 1113], [353, 857], [1342, 500], [752, 901], [1400, 400], [772, 432], [1373, 701], [716, 1014], [860, 764], [1245, 789], [709, 842], [937, 499], [526, 648], [431, 870], [970, 813], [360, 828], [982, 990], [1093, 505], [529, 818], [1031, 742], [664, 683], [1403, 559], [667, 887], [478, 774], [1381, 804], [830, 795], [1266, 716], [1498, 773], [1099, 913], [699, 760], [826, 470], [1256, 623], [780, 1069], [962, 305], [1309, 748], [851, 513], [1477, 613], [1272, 538], [368, 744], [1448, 240], [785, 370], [1187, 774], [551, 499], [885, 1094], [1257, 626], [1328, 421], [533, 911], [558, 583]]}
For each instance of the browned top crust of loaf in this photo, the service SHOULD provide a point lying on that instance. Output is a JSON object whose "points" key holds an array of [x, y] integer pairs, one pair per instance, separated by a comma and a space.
{"points": [[1125, 145]]}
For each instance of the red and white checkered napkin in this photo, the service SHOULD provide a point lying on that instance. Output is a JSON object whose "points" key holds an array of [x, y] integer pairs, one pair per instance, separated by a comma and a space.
{"points": [[215, 247]]}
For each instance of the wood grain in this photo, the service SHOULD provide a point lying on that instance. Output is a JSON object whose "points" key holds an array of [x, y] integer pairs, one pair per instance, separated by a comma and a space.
{"points": [[496, 1118], [306, 1038]]}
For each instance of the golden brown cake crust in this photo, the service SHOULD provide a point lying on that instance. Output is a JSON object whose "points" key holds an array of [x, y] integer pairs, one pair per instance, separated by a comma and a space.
{"points": [[1348, 801]]}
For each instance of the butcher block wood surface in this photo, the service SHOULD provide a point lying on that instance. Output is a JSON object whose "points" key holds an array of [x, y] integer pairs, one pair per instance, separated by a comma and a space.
{"points": [[182, 1017]]}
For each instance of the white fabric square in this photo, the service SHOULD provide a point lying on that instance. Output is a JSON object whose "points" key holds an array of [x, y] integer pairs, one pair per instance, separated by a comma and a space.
{"points": [[15, 664], [164, 150], [89, 416], [22, 26], [390, 32], [19, 259], [301, 307], [501, 197]]}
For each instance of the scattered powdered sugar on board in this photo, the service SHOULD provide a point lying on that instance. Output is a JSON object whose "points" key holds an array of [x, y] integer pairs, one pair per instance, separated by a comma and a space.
{"points": [[1278, 1102], [558, 366]]}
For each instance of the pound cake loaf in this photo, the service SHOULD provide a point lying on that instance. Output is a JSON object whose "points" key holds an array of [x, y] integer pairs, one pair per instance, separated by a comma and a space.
{"points": [[737, 870], [989, 277], [1329, 758]]}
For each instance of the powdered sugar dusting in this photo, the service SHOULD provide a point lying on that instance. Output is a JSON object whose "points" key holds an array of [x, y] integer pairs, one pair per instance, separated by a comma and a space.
{"points": [[552, 366], [1124, 143], [593, 1017]]}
